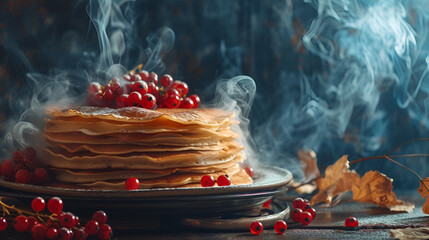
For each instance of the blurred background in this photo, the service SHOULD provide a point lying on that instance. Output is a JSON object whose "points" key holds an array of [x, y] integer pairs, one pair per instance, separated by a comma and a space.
{"points": [[335, 76]]}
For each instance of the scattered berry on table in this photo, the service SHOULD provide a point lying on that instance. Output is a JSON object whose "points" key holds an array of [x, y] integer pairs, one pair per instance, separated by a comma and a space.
{"points": [[256, 228]]}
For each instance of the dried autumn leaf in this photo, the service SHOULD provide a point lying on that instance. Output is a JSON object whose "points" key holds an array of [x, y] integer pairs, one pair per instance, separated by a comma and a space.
{"points": [[308, 162], [410, 233], [337, 179], [424, 192], [375, 187]]}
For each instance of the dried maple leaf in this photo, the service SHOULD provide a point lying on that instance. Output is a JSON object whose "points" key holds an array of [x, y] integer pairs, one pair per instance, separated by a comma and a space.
{"points": [[424, 192], [337, 179], [375, 187]]}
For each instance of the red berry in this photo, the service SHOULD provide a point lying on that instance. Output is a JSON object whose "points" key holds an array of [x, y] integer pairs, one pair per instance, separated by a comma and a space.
{"points": [[249, 171], [80, 233], [22, 176], [29, 154], [306, 218], [39, 232], [134, 99], [64, 234], [108, 96], [153, 77], [41, 175], [143, 75], [207, 181], [94, 88], [182, 87], [256, 228], [153, 89], [141, 87], [38, 204], [115, 84], [17, 155], [351, 222], [7, 167], [196, 100], [92, 227], [299, 203], [172, 101], [296, 214], [135, 77], [166, 80], [311, 210], [132, 183], [126, 77], [148, 101], [280, 226], [105, 232], [77, 221], [3, 223], [52, 233], [95, 100], [67, 220], [171, 91], [122, 101], [18, 167], [223, 180], [55, 205], [21, 223], [187, 103], [32, 221], [100, 217]]}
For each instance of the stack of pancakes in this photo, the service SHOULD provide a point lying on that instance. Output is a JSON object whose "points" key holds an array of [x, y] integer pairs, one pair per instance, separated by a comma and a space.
{"points": [[100, 148]]}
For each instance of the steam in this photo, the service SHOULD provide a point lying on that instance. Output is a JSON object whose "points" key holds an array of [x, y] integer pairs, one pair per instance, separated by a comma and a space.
{"points": [[119, 50], [371, 92], [236, 95]]}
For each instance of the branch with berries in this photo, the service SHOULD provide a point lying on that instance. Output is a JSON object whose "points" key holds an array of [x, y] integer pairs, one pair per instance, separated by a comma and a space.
{"points": [[53, 225], [24, 167]]}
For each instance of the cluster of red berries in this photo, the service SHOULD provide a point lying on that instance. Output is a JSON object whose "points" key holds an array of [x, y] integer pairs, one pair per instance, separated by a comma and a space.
{"points": [[209, 181], [302, 211], [142, 89], [59, 225], [280, 227], [24, 167]]}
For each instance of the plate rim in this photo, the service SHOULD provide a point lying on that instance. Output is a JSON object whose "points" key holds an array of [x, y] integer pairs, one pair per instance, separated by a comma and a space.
{"points": [[284, 178]]}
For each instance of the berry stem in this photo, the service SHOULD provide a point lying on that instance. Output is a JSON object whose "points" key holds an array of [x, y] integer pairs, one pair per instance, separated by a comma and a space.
{"points": [[138, 67], [6, 210]]}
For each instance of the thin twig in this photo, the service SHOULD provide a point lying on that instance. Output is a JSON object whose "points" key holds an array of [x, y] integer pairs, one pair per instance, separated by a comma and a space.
{"points": [[405, 143]]}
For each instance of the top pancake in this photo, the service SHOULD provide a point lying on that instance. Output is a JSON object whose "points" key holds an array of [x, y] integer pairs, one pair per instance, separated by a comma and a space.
{"points": [[199, 116]]}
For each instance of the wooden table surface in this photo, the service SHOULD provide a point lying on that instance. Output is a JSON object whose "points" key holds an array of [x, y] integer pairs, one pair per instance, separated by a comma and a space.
{"points": [[375, 223]]}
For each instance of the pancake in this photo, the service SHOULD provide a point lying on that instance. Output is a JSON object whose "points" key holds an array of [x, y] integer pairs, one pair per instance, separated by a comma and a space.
{"points": [[142, 138], [117, 149], [201, 116], [86, 176], [154, 160], [106, 127], [237, 175]]}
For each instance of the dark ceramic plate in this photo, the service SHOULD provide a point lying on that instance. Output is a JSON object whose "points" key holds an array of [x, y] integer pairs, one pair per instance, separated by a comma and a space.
{"points": [[268, 181]]}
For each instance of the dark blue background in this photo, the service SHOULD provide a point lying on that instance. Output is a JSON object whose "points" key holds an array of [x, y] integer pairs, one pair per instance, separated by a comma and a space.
{"points": [[222, 39]]}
